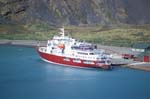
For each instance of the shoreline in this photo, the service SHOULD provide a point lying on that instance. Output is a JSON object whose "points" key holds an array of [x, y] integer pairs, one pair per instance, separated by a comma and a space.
{"points": [[35, 43], [27, 43], [144, 68]]}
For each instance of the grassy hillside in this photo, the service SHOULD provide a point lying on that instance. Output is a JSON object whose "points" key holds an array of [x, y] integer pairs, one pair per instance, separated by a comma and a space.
{"points": [[120, 36], [27, 32]]}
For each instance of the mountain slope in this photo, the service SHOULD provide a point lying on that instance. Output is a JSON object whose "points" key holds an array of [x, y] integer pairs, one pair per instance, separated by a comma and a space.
{"points": [[76, 12]]}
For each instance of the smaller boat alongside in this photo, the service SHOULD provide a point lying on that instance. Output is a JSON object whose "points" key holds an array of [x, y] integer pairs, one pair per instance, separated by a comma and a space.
{"points": [[67, 51]]}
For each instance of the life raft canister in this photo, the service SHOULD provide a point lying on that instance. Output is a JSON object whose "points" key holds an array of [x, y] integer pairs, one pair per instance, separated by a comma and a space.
{"points": [[61, 46]]}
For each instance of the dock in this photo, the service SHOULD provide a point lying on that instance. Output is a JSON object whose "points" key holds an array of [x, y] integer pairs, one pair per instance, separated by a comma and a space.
{"points": [[128, 63]]}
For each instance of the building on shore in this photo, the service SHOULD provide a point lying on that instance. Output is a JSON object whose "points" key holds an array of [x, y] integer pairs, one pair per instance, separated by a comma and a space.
{"points": [[144, 52], [141, 47], [147, 57]]}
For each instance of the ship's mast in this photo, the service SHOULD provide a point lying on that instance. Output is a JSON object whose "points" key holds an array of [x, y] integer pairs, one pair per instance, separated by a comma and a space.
{"points": [[62, 32]]}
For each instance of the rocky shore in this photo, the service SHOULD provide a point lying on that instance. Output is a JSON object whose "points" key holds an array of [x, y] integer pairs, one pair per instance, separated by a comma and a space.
{"points": [[128, 63]]}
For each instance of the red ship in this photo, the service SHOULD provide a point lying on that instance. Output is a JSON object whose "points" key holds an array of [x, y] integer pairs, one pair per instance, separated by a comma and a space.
{"points": [[64, 50]]}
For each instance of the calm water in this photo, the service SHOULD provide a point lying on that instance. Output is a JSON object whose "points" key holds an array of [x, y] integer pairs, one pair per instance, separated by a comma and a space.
{"points": [[23, 75]]}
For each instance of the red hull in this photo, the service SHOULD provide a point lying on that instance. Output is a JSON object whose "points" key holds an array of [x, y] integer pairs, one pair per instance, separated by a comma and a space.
{"points": [[70, 61]]}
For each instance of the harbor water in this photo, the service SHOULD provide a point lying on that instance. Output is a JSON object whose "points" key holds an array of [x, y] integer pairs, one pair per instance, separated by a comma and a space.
{"points": [[23, 75]]}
